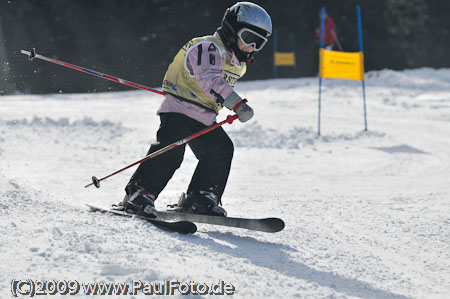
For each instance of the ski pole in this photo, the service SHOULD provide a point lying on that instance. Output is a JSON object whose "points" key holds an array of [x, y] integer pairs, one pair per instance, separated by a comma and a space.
{"points": [[229, 119], [32, 54], [95, 181]]}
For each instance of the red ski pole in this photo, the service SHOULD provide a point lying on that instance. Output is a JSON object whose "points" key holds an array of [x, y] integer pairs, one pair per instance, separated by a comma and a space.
{"points": [[229, 119], [32, 54], [96, 182]]}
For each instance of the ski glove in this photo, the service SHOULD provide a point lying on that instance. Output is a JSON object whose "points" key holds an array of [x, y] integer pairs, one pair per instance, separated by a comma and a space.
{"points": [[238, 105]]}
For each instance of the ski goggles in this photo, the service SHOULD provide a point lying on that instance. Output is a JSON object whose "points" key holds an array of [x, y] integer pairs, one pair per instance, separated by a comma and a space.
{"points": [[252, 38]]}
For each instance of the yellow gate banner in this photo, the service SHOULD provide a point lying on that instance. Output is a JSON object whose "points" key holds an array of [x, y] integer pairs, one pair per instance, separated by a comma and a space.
{"points": [[341, 65], [284, 58]]}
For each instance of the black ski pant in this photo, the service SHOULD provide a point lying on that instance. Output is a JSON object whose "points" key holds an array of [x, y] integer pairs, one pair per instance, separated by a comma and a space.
{"points": [[214, 151]]}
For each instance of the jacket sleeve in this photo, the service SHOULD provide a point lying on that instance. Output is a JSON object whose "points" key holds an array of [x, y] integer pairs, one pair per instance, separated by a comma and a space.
{"points": [[205, 63]]}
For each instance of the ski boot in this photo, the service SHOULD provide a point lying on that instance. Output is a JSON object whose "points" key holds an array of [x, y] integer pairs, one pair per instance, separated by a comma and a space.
{"points": [[201, 202], [139, 201]]}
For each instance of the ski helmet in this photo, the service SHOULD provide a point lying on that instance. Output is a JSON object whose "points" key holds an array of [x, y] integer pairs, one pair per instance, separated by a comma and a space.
{"points": [[249, 22]]}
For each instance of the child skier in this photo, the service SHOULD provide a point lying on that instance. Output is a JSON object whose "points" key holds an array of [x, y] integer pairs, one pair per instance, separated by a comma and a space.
{"points": [[198, 83]]}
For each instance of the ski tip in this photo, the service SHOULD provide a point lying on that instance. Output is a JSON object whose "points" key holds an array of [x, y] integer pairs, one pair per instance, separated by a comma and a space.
{"points": [[182, 227], [188, 227], [276, 224]]}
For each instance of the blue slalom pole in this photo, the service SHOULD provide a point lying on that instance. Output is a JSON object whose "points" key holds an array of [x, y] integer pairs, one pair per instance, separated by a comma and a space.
{"points": [[322, 25], [358, 10], [275, 49]]}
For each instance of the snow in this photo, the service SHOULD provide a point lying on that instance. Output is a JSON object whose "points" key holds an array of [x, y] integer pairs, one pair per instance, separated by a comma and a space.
{"points": [[367, 213]]}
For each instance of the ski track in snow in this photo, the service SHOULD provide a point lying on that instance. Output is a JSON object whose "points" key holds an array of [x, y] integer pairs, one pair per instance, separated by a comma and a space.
{"points": [[367, 213]]}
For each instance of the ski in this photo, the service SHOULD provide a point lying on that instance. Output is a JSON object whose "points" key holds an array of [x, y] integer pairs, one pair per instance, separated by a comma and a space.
{"points": [[179, 226], [269, 225]]}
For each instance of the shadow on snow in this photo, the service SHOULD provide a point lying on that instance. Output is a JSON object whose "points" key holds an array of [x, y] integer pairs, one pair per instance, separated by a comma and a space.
{"points": [[276, 257]]}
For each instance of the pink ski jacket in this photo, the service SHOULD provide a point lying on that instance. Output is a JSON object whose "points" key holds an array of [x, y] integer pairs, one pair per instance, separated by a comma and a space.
{"points": [[200, 78]]}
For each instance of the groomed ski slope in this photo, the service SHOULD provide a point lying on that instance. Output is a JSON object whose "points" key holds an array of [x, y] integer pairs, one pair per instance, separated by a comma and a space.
{"points": [[367, 213]]}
